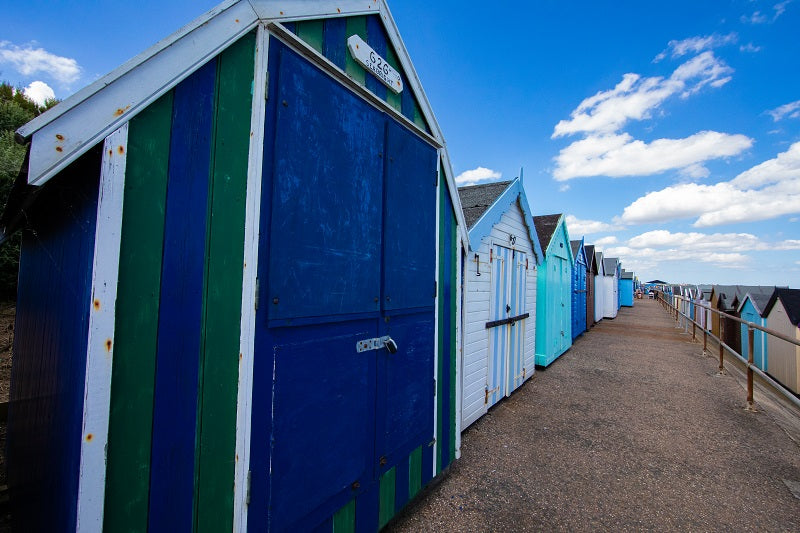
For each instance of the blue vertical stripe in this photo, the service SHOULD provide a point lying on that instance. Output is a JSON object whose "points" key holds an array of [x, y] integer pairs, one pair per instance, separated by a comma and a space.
{"points": [[376, 38], [181, 305], [334, 43]]}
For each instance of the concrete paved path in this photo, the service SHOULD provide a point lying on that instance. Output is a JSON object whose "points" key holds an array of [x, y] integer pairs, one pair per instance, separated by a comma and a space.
{"points": [[631, 429]]}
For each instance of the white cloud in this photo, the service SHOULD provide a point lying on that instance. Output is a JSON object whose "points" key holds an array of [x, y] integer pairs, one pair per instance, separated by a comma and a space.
{"points": [[476, 175], [763, 18], [695, 45], [791, 110], [621, 155], [650, 250], [39, 92], [635, 97], [576, 226], [606, 241], [749, 47], [29, 61], [756, 18], [768, 190]]}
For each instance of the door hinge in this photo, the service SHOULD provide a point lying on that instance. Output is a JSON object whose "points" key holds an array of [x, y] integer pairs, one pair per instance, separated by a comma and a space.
{"points": [[247, 496], [266, 87], [434, 388], [435, 289], [255, 304], [436, 178]]}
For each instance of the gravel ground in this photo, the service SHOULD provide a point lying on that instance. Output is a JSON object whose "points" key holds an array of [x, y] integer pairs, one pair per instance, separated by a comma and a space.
{"points": [[632, 429]]}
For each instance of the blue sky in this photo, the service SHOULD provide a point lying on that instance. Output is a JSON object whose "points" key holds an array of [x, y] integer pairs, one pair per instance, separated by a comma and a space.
{"points": [[669, 132]]}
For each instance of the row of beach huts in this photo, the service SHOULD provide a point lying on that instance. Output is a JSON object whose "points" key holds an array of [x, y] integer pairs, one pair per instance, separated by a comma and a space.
{"points": [[252, 297], [771, 307]]}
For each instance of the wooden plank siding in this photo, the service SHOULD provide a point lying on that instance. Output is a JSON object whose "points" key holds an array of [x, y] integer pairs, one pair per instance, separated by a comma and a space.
{"points": [[477, 309], [47, 388], [136, 329], [329, 37]]}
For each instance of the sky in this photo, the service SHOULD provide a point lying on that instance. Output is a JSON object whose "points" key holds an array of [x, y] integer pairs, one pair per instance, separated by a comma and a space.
{"points": [[668, 133]]}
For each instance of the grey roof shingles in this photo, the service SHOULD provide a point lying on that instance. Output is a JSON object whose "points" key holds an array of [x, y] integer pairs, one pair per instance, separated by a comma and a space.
{"points": [[791, 302], [545, 227], [477, 199]]}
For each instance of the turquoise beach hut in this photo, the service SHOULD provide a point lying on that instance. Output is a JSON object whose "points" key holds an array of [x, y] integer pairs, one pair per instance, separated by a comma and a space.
{"points": [[554, 288], [626, 288]]}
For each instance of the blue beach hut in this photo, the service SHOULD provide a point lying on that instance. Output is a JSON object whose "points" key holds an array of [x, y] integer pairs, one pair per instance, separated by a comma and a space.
{"points": [[239, 283], [499, 295], [554, 290], [753, 309], [626, 288], [579, 288]]}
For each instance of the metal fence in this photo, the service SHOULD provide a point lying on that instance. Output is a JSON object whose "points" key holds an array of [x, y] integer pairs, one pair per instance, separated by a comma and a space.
{"points": [[681, 308]]}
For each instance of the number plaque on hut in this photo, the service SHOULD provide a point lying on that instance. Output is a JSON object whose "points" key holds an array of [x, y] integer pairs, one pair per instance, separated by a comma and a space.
{"points": [[370, 60]]}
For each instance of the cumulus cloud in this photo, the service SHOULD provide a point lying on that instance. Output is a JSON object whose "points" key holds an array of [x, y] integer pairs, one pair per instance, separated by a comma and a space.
{"points": [[477, 175], [39, 92], [635, 97], [30, 61], [727, 250], [695, 45], [606, 241], [763, 18], [621, 155], [768, 190], [576, 226], [791, 110]]}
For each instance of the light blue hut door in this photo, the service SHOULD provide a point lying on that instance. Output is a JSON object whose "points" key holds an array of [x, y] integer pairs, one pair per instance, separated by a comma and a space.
{"points": [[506, 329]]}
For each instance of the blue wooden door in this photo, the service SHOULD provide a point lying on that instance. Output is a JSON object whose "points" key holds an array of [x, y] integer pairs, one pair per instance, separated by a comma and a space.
{"points": [[346, 253]]}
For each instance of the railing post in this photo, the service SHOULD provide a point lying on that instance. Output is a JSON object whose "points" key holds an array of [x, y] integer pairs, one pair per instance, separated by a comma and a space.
{"points": [[721, 349], [694, 321], [750, 348]]}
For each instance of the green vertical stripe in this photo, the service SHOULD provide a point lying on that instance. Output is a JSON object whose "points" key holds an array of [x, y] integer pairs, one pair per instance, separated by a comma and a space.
{"points": [[394, 100], [414, 472], [136, 320], [223, 300], [387, 497], [310, 31], [419, 120], [344, 521], [356, 26], [454, 295], [440, 341]]}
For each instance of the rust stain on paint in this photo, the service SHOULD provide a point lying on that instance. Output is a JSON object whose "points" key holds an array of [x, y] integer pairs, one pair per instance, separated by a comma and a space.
{"points": [[97, 305], [89, 437], [59, 149], [108, 345], [59, 137], [121, 111], [121, 149]]}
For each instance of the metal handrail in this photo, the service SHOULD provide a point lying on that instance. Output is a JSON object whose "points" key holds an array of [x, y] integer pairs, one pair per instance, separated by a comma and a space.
{"points": [[749, 363]]}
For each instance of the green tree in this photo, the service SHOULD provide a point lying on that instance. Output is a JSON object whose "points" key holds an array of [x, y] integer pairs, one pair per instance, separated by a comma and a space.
{"points": [[15, 110]]}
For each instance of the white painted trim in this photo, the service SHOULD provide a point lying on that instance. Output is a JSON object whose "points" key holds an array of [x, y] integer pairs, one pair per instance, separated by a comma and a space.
{"points": [[100, 347], [286, 10], [61, 135], [460, 252], [250, 266]]}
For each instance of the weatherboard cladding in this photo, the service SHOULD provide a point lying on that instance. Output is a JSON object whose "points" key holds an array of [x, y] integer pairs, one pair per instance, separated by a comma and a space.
{"points": [[174, 386], [485, 267], [750, 312], [783, 316]]}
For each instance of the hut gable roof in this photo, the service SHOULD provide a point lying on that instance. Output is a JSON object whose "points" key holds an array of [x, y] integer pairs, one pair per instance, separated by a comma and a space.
{"points": [[484, 206], [546, 226], [626, 275], [601, 265], [591, 258], [575, 245], [790, 298], [610, 265], [64, 133], [477, 199]]}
